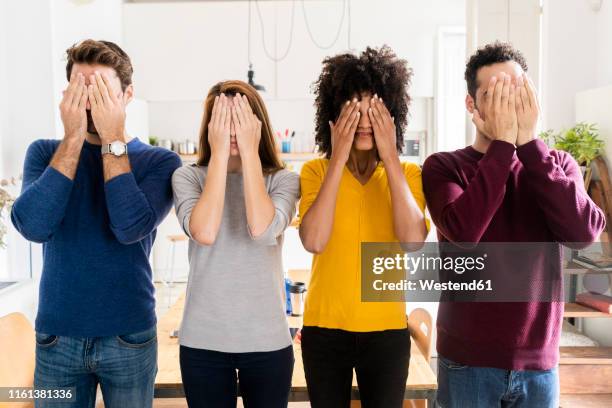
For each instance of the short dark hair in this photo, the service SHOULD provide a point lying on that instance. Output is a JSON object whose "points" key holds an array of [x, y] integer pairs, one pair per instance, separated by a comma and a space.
{"points": [[375, 70], [103, 53], [490, 54]]}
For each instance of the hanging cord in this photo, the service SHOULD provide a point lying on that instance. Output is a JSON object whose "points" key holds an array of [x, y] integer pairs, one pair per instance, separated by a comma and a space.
{"points": [[325, 47], [249, 35], [348, 23], [275, 58]]}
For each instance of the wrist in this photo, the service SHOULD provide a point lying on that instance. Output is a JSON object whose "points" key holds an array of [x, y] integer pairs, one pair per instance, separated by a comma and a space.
{"points": [[389, 159], [525, 137], [250, 157], [217, 157]]}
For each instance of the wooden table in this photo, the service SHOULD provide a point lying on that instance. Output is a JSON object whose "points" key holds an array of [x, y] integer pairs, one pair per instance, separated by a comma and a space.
{"points": [[421, 382]]}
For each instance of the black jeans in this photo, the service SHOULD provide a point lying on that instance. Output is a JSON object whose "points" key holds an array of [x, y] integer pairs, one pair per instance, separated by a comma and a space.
{"points": [[209, 378], [380, 360]]}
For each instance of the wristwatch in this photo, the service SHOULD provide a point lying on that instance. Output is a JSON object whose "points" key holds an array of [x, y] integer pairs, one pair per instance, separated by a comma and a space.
{"points": [[116, 148]]}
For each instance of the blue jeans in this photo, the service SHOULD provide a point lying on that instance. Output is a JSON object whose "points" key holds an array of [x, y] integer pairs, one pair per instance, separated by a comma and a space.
{"points": [[461, 386], [125, 367]]}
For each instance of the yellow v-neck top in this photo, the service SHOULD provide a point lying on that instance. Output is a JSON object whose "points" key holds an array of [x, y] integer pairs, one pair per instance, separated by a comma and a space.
{"points": [[363, 214]]}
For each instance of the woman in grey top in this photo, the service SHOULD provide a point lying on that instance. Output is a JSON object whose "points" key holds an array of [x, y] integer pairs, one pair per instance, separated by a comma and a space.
{"points": [[235, 205]]}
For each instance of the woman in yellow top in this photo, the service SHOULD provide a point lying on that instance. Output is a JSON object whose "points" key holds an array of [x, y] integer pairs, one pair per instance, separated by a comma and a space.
{"points": [[360, 192]]}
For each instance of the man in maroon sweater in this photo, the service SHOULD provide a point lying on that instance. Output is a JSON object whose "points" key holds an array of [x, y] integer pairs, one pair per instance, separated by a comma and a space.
{"points": [[506, 187]]}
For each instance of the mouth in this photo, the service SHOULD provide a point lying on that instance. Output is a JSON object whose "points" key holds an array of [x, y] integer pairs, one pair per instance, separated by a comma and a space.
{"points": [[364, 133]]}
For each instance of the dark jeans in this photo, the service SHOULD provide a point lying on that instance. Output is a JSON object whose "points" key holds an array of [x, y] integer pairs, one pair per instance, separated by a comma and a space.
{"points": [[209, 378], [125, 367], [380, 360], [460, 386]]}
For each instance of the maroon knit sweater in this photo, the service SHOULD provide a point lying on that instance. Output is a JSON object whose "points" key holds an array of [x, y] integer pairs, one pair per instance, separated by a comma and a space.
{"points": [[524, 194]]}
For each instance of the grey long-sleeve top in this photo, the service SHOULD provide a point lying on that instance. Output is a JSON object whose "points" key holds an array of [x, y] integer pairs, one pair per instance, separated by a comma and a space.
{"points": [[235, 292]]}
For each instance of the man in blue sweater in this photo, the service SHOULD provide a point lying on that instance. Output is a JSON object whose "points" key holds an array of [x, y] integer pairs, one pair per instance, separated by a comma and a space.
{"points": [[94, 200]]}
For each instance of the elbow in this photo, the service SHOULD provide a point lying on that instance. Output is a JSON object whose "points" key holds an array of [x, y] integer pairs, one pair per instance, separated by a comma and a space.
{"points": [[33, 233], [126, 238], [206, 238], [314, 246], [413, 239], [588, 232]]}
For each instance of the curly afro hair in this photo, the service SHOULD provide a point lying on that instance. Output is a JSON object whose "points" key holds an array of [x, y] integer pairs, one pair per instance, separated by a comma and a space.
{"points": [[490, 54], [344, 76]]}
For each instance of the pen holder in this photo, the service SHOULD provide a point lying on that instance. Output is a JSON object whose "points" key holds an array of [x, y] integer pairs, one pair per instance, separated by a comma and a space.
{"points": [[286, 146]]}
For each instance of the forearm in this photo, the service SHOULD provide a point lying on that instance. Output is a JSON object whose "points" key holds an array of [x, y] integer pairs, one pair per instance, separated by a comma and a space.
{"points": [[317, 224], [259, 206], [66, 157], [408, 219], [115, 166], [569, 211], [206, 216]]}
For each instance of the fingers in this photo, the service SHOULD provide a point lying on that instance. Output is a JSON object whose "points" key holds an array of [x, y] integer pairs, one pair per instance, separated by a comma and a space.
{"points": [[478, 122], [228, 116], [213, 112], [347, 114], [533, 98], [102, 89], [490, 93], [353, 125], [84, 96], [96, 90], [505, 94], [234, 114], [512, 100], [78, 93], [222, 113], [497, 94], [374, 113], [240, 110], [246, 104], [92, 97], [109, 89], [70, 90]]}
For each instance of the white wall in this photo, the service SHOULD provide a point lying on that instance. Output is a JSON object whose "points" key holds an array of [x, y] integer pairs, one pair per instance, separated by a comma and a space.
{"points": [[196, 44], [26, 114], [72, 22], [569, 37], [34, 35], [603, 44]]}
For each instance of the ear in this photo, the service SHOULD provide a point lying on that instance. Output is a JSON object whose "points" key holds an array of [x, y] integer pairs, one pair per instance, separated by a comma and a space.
{"points": [[128, 94], [470, 104]]}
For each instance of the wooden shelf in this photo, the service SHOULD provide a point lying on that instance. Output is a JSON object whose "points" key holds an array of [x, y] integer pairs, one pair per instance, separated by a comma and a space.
{"points": [[585, 400], [299, 156], [190, 158], [573, 268], [585, 355], [577, 310]]}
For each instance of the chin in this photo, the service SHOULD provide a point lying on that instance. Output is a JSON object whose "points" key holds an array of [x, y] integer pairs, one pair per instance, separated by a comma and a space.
{"points": [[364, 144]]}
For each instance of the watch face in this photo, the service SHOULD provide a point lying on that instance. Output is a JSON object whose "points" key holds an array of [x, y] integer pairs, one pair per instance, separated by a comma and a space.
{"points": [[117, 148]]}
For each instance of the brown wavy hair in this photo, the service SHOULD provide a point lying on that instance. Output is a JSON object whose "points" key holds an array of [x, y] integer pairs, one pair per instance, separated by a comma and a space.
{"points": [[102, 53], [270, 161]]}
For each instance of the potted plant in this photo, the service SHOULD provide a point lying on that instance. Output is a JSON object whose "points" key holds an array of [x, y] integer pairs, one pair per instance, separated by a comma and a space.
{"points": [[6, 201], [581, 141]]}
